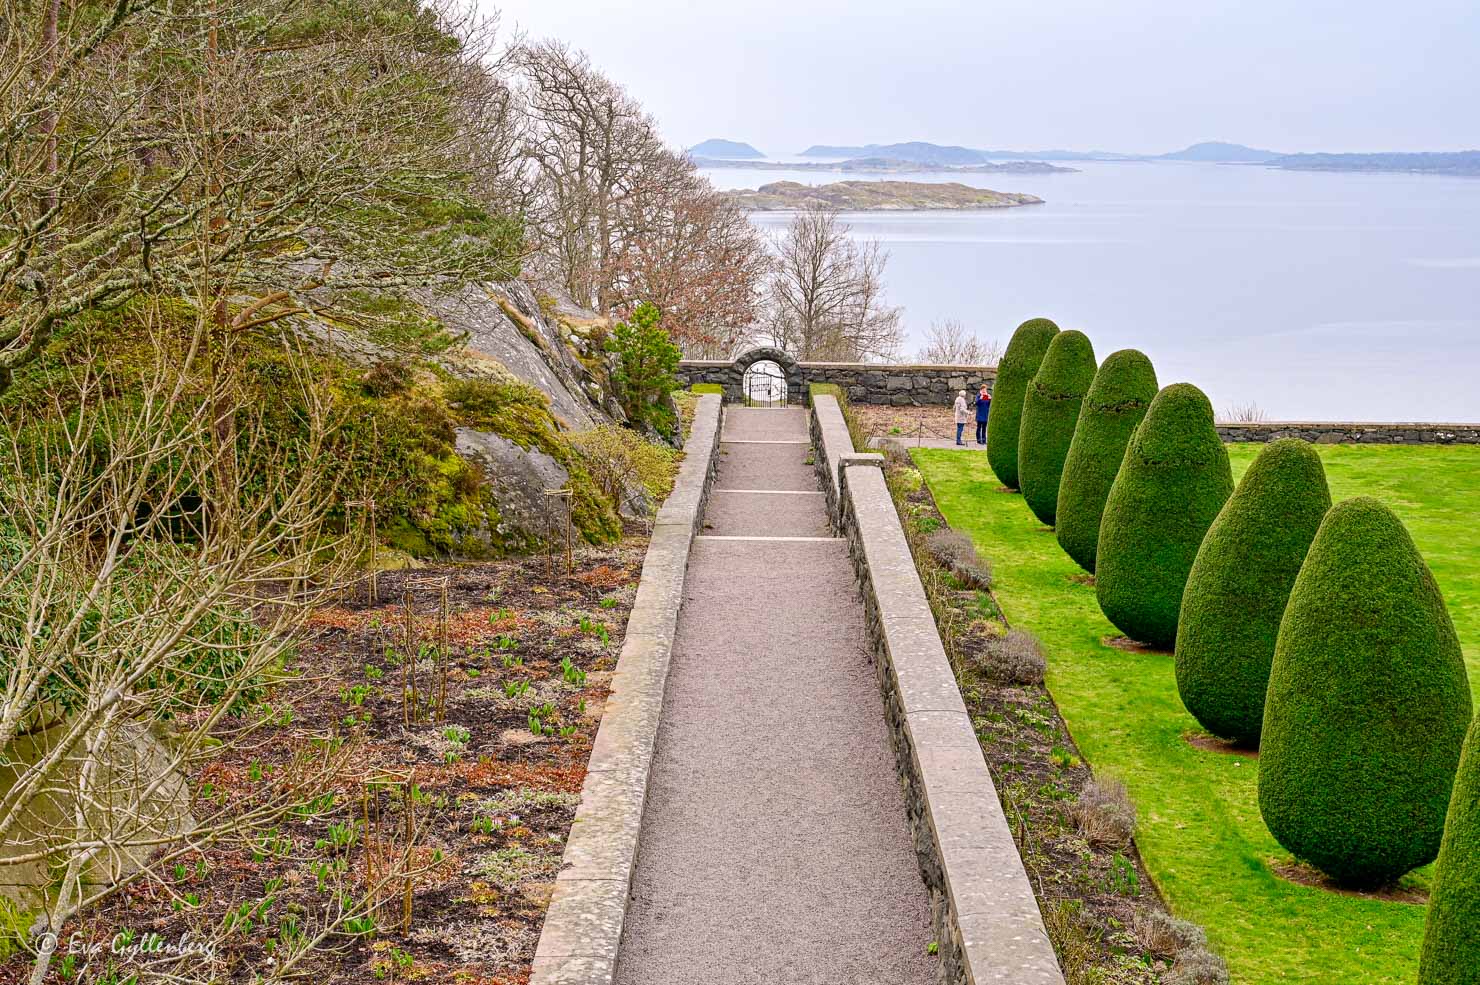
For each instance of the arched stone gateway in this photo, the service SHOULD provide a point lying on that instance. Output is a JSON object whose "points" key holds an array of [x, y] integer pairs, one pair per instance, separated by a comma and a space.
{"points": [[898, 385], [734, 382]]}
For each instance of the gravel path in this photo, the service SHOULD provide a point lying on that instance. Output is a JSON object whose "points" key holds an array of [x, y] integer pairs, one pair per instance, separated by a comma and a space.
{"points": [[775, 848]]}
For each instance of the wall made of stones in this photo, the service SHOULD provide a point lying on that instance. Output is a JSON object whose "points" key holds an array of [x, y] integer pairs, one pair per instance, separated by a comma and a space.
{"points": [[1349, 433], [861, 383]]}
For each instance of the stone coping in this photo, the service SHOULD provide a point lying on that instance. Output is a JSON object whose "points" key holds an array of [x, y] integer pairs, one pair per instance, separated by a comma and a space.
{"points": [[1353, 432], [987, 921], [873, 367], [583, 926]]}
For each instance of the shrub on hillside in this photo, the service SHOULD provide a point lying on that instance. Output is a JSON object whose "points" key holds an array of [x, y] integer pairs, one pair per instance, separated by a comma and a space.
{"points": [[643, 375], [1197, 966], [1019, 365], [1117, 400], [1012, 658], [1451, 941], [955, 552], [1050, 412], [1174, 480], [1367, 707], [1239, 585]]}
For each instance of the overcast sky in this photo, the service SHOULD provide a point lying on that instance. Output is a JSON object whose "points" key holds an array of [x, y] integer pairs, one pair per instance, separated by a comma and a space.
{"points": [[1120, 75]]}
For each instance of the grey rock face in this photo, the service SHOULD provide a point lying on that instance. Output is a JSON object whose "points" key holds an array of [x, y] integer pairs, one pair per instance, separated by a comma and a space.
{"points": [[504, 323], [516, 479]]}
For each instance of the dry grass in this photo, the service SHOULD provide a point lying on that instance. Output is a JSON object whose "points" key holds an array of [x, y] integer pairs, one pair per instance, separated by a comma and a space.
{"points": [[1012, 658], [1104, 814]]}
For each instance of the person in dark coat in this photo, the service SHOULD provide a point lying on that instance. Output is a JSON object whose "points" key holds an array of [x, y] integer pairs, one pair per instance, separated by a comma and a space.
{"points": [[983, 408]]}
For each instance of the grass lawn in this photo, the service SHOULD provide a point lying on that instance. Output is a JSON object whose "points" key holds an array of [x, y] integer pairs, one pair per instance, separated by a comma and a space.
{"points": [[1200, 832]]}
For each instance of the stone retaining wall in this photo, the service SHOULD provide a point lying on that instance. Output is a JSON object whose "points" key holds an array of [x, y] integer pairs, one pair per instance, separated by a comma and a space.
{"points": [[583, 927], [862, 383], [986, 917], [1353, 433]]}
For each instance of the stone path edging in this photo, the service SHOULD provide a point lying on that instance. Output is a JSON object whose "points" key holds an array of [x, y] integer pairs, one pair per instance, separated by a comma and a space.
{"points": [[986, 916], [583, 926]]}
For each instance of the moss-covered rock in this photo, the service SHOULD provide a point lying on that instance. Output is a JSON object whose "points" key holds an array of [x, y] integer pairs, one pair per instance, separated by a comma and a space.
{"points": [[1173, 481], [1451, 940], [1117, 401], [1050, 412], [1239, 585], [1367, 707], [1016, 370]]}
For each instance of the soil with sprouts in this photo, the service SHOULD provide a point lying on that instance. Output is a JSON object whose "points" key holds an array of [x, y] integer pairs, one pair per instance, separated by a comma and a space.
{"points": [[461, 803]]}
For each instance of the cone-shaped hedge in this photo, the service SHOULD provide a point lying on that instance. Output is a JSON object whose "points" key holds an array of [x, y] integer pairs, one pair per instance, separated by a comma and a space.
{"points": [[1367, 707], [1451, 940], [1050, 412], [1117, 401], [1239, 585], [1018, 366], [1173, 481]]}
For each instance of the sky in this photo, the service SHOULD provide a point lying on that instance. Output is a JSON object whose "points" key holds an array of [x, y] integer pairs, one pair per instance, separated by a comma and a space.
{"points": [[1131, 76]]}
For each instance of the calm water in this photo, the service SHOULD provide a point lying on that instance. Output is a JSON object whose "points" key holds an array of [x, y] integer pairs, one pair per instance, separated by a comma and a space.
{"points": [[1316, 296]]}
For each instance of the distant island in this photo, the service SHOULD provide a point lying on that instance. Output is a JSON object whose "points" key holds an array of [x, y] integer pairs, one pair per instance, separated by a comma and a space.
{"points": [[876, 196], [890, 165], [724, 149], [1459, 163], [1218, 152], [922, 152]]}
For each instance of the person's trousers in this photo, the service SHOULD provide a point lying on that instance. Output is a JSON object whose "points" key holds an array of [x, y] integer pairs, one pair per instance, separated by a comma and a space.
{"points": [[981, 432], [960, 430]]}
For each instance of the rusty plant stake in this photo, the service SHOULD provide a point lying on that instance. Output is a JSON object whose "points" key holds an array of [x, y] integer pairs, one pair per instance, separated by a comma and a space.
{"points": [[570, 558]]}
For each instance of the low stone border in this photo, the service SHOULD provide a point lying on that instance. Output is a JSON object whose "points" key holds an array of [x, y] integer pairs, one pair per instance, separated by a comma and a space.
{"points": [[1353, 433], [987, 922], [583, 926]]}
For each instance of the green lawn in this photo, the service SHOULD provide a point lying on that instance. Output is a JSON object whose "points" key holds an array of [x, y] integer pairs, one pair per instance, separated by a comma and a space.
{"points": [[1200, 831]]}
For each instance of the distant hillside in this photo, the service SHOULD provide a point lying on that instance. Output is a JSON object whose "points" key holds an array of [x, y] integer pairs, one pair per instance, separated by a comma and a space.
{"points": [[915, 151], [732, 149], [921, 152], [1466, 163], [876, 196], [1218, 152], [886, 165]]}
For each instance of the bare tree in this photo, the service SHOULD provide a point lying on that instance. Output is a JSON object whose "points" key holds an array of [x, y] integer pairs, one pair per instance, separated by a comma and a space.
{"points": [[826, 298], [142, 597], [690, 251], [315, 152], [950, 343], [616, 218]]}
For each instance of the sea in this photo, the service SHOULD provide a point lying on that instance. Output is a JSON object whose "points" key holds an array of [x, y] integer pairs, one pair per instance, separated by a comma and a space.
{"points": [[1308, 295]]}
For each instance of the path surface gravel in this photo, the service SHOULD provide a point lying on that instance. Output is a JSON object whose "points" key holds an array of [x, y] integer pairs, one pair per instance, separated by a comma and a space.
{"points": [[775, 847]]}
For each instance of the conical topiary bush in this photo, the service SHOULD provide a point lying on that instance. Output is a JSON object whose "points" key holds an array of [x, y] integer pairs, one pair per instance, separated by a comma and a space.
{"points": [[1173, 481], [1451, 939], [1050, 411], [1117, 400], [1018, 366], [1367, 707], [1239, 585]]}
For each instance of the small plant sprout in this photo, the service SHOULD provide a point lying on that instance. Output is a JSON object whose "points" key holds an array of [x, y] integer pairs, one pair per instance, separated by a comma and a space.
{"points": [[515, 689], [572, 674], [610, 602]]}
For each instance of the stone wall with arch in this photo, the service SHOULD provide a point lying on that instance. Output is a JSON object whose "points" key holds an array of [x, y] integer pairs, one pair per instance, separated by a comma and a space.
{"points": [[898, 385]]}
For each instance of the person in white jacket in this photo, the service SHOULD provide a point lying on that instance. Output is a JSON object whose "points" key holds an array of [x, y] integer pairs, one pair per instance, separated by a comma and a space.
{"points": [[962, 415]]}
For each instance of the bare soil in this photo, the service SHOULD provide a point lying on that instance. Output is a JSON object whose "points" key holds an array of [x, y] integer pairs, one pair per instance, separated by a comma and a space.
{"points": [[490, 801], [1305, 875]]}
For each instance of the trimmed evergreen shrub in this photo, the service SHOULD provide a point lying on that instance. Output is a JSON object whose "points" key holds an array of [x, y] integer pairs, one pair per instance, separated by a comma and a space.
{"points": [[1050, 412], [1117, 400], [1173, 481], [1018, 366], [1367, 707], [1239, 585], [1451, 940]]}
